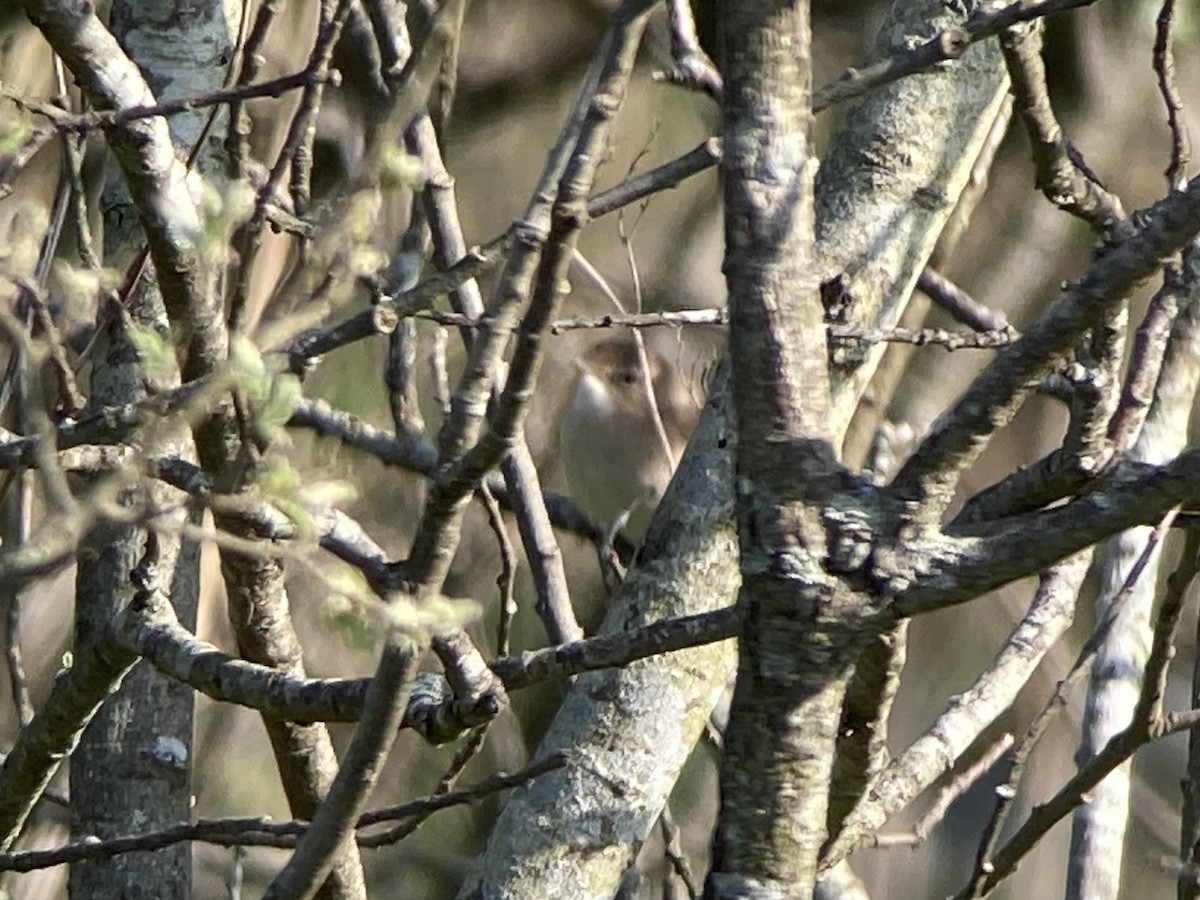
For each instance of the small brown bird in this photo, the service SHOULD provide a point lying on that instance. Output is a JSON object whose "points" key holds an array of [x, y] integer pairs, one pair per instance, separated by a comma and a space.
{"points": [[618, 459]]}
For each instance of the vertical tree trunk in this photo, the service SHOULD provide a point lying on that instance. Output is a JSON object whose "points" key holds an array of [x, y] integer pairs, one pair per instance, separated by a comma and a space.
{"points": [[793, 656], [132, 770], [1098, 827]]}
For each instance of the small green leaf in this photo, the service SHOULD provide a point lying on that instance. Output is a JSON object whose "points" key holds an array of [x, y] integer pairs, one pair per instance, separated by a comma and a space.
{"points": [[155, 353], [356, 622], [282, 398], [300, 516], [398, 169], [278, 478], [348, 581], [328, 494], [249, 369], [432, 613]]}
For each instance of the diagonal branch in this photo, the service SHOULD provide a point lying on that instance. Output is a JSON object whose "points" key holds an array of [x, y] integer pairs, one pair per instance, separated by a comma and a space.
{"points": [[928, 478], [957, 568]]}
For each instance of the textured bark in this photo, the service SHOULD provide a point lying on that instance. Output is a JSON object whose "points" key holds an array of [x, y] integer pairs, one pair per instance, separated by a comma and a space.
{"points": [[132, 770], [258, 611], [583, 847], [798, 640], [1098, 827], [812, 612], [573, 832], [906, 153], [55, 732], [971, 712], [322, 847]]}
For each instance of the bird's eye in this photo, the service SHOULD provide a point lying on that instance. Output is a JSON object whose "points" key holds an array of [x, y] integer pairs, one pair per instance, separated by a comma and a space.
{"points": [[629, 376]]}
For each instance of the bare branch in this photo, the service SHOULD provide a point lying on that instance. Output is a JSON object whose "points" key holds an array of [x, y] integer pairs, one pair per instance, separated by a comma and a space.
{"points": [[931, 473]]}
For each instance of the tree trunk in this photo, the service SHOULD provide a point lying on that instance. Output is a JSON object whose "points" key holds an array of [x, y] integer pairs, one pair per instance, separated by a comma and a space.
{"points": [[132, 770]]}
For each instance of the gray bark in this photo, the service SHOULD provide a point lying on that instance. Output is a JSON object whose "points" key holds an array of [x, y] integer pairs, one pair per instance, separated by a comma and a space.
{"points": [[689, 565], [1098, 827], [132, 770], [795, 653]]}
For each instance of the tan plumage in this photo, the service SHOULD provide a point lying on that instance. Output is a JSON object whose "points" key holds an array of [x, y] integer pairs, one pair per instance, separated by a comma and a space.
{"points": [[616, 462]]}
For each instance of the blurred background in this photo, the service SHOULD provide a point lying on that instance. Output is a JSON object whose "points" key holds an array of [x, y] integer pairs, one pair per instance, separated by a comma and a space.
{"points": [[518, 73]]}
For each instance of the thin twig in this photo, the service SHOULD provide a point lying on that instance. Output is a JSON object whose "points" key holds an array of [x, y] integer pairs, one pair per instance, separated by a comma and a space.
{"points": [[298, 128], [1147, 725], [958, 303], [94, 120], [508, 564], [1168, 88], [691, 65], [673, 848], [1061, 173], [957, 786], [1006, 792], [264, 832]]}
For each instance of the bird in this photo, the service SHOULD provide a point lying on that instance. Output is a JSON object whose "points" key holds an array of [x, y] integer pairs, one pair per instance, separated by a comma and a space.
{"points": [[618, 460]]}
